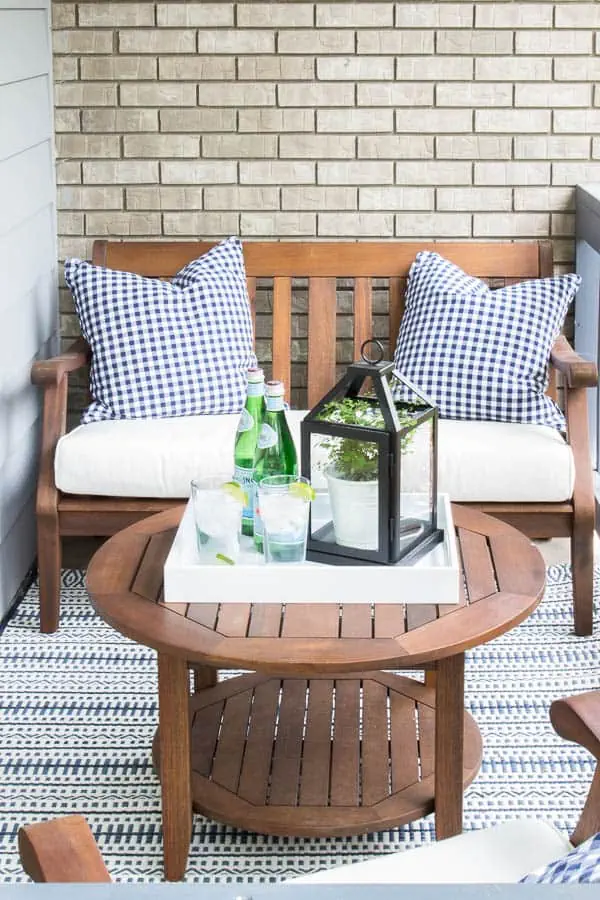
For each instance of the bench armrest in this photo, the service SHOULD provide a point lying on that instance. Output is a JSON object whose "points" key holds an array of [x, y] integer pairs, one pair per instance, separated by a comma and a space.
{"points": [[52, 371], [53, 376], [578, 372], [577, 719]]}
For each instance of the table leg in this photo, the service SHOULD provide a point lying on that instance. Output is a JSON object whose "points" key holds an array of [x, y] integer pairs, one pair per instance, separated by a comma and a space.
{"points": [[449, 745], [175, 763], [430, 678], [204, 677]]}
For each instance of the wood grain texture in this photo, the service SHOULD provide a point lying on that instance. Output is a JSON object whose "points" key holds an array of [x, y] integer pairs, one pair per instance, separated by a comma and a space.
{"points": [[314, 638], [61, 850], [317, 760], [322, 302], [330, 259], [577, 719], [363, 311], [449, 745], [174, 763], [282, 332]]}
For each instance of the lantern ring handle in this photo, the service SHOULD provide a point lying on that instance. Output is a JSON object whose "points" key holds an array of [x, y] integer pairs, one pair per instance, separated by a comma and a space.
{"points": [[366, 357]]}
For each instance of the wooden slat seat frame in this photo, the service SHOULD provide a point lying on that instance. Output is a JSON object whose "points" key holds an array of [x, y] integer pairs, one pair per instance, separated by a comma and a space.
{"points": [[60, 515]]}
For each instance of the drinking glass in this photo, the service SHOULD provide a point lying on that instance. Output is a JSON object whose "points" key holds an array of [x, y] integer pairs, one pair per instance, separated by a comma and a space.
{"points": [[217, 503], [283, 502]]}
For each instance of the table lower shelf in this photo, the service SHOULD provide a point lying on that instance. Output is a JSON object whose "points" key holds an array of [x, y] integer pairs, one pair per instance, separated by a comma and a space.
{"points": [[317, 757]]}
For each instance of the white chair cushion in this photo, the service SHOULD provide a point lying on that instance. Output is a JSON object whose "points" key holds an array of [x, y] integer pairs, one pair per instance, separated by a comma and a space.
{"points": [[493, 461], [503, 853], [503, 461]]}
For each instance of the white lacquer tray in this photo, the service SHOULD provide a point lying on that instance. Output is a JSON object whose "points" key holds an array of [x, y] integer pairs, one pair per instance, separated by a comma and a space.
{"points": [[433, 579]]}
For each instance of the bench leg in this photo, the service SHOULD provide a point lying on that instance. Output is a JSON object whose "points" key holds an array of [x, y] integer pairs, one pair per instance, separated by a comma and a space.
{"points": [[49, 553], [582, 568]]}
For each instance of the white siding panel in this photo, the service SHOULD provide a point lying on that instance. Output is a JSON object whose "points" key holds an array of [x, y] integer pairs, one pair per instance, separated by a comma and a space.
{"points": [[17, 552], [25, 323], [26, 185], [24, 44], [28, 271], [25, 251], [17, 480], [21, 412], [25, 115]]}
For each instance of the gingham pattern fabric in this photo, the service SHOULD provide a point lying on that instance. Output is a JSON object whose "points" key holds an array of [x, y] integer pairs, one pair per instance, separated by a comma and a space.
{"points": [[479, 353], [580, 866], [160, 349]]}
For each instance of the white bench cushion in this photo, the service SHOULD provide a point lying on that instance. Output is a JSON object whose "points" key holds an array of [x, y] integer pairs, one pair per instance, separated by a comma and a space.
{"points": [[500, 854], [480, 461]]}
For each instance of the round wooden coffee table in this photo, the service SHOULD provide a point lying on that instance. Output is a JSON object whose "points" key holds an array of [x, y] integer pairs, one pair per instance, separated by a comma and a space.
{"points": [[319, 740]]}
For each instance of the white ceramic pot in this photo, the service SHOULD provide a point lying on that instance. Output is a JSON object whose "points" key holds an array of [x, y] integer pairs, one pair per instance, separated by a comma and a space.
{"points": [[355, 511]]}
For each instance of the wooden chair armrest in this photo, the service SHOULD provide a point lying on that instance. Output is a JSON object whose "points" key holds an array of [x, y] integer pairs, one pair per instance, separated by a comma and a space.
{"points": [[52, 376], [61, 850], [578, 372], [577, 719], [52, 371]]}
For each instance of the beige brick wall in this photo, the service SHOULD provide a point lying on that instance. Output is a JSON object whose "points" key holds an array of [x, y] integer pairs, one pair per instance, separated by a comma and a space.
{"points": [[327, 120]]}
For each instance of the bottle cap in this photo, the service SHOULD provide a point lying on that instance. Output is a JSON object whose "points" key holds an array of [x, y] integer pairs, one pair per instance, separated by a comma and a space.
{"points": [[256, 376], [275, 388]]}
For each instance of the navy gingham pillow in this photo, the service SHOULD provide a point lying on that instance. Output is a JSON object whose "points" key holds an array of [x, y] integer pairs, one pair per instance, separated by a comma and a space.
{"points": [[480, 353], [580, 866], [160, 349]]}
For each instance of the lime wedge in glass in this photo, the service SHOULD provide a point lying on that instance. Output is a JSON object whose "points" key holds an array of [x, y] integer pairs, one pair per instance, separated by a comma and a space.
{"points": [[236, 491], [302, 490], [225, 559]]}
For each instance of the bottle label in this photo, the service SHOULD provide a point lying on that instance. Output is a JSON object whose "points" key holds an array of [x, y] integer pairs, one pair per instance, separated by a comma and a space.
{"points": [[243, 476], [255, 389], [267, 437], [274, 404], [246, 421]]}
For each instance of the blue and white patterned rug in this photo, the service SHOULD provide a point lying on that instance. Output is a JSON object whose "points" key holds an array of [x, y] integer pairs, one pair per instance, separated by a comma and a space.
{"points": [[79, 711]]}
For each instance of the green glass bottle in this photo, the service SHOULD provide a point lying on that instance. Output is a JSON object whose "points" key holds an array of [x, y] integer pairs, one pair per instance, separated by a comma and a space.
{"points": [[275, 450], [245, 443]]}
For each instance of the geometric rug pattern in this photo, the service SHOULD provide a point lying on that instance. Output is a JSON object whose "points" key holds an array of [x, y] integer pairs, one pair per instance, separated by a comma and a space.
{"points": [[79, 710]]}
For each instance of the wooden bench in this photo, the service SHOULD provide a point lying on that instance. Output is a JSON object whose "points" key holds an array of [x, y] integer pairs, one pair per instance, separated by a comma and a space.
{"points": [[60, 515]]}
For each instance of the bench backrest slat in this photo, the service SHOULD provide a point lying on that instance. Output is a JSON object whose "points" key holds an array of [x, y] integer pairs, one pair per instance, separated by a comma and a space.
{"points": [[251, 282], [397, 286], [344, 259], [282, 332], [322, 262], [363, 313], [322, 308]]}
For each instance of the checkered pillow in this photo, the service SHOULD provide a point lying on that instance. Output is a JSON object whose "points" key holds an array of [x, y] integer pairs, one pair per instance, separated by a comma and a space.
{"points": [[479, 353], [160, 349], [580, 866]]}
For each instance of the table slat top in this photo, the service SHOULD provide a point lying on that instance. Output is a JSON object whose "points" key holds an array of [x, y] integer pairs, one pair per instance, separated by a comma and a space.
{"points": [[503, 581]]}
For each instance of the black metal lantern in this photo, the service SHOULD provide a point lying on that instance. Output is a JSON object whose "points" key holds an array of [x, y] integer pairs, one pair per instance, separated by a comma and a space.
{"points": [[371, 455]]}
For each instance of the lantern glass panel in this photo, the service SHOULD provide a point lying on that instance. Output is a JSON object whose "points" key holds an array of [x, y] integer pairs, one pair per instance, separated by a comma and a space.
{"points": [[416, 484], [344, 475]]}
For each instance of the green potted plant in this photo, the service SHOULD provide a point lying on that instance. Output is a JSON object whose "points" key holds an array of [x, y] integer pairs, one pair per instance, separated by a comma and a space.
{"points": [[351, 468]]}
